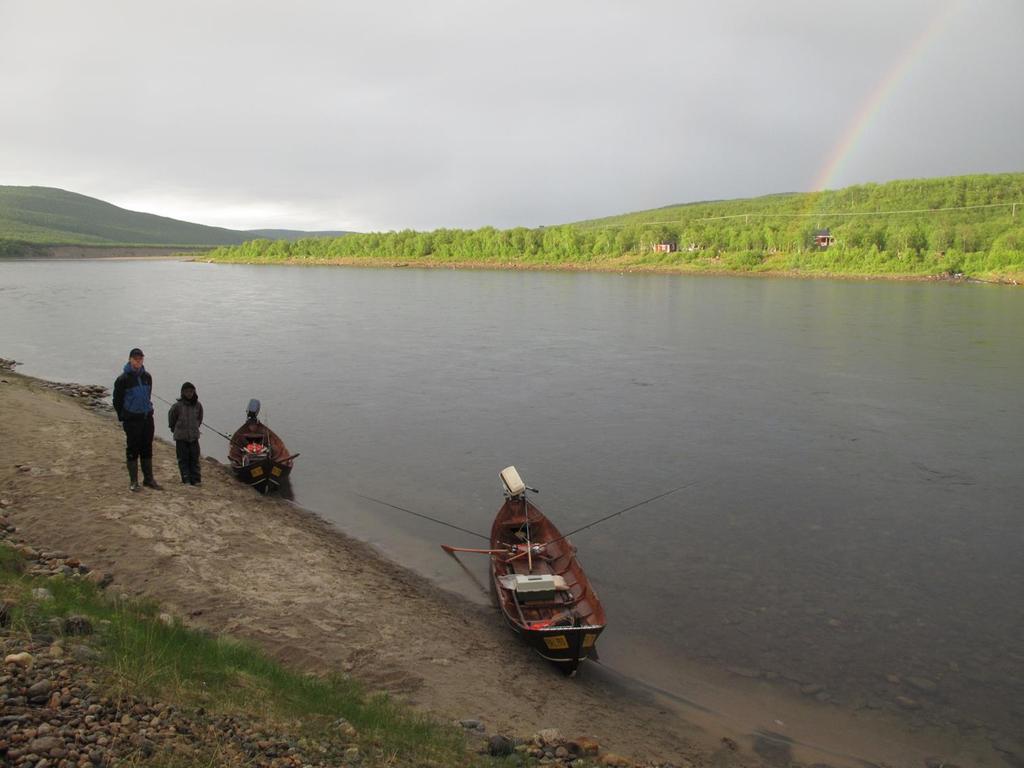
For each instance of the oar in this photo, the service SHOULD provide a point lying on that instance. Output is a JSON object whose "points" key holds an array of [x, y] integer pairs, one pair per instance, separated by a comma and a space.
{"points": [[452, 550]]}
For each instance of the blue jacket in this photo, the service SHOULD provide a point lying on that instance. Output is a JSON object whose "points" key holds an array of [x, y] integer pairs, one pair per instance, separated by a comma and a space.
{"points": [[132, 392]]}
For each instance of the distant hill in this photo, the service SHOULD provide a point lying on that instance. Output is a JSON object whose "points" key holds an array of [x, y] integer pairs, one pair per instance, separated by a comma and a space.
{"points": [[50, 216]]}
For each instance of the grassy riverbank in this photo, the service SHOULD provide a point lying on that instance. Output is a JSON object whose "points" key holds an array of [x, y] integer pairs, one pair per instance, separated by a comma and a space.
{"points": [[141, 655], [958, 226]]}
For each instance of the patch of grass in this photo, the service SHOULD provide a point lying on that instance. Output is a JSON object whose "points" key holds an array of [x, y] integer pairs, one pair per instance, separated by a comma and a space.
{"points": [[147, 655]]}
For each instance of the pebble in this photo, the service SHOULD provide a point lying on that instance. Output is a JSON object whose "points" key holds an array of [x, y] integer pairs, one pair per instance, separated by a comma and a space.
{"points": [[584, 746], [77, 624], [548, 736], [23, 659], [498, 746]]}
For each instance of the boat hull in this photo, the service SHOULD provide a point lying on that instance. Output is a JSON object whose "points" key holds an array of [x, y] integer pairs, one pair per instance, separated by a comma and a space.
{"points": [[267, 466], [565, 647], [561, 627], [265, 476]]}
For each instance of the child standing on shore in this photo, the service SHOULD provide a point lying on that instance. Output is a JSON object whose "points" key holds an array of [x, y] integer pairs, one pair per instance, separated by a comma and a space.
{"points": [[185, 418]]}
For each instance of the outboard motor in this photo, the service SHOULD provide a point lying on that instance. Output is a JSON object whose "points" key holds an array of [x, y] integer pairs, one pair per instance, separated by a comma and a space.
{"points": [[253, 410]]}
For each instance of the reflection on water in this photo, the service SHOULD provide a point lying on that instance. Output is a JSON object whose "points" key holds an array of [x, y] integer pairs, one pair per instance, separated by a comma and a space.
{"points": [[854, 537]]}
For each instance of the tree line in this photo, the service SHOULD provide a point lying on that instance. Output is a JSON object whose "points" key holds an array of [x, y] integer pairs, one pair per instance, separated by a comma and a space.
{"points": [[965, 224]]}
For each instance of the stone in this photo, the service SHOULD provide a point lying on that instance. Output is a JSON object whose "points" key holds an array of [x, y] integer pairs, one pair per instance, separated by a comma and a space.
{"points": [[584, 746], [23, 659], [612, 759], [811, 689], [42, 593], [77, 624], [44, 744], [346, 729], [42, 688], [548, 736], [498, 746]]}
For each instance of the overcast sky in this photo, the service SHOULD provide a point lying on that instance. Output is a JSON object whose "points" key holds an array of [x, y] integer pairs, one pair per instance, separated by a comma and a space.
{"points": [[378, 115]]}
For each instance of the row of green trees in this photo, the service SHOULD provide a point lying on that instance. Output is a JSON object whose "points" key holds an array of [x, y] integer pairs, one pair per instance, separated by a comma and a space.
{"points": [[962, 224]]}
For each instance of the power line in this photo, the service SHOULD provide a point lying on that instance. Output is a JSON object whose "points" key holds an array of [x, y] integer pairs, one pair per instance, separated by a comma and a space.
{"points": [[820, 214]]}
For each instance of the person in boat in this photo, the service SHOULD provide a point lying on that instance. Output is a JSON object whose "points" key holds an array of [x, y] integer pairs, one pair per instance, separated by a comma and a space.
{"points": [[132, 392], [184, 419]]}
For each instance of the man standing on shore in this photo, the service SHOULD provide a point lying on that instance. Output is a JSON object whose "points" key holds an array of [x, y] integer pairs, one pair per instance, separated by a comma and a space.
{"points": [[132, 392]]}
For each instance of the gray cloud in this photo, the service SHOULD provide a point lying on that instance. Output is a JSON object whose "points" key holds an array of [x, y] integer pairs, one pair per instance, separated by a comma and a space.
{"points": [[464, 113]]}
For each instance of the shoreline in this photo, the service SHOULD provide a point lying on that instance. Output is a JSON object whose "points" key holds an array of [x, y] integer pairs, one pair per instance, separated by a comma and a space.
{"points": [[272, 572], [634, 269], [195, 255], [226, 560]]}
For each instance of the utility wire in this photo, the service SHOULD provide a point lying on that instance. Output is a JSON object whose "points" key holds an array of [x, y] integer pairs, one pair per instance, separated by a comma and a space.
{"points": [[820, 214]]}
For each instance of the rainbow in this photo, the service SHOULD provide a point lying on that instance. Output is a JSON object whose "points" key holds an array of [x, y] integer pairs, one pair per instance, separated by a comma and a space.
{"points": [[882, 91]]}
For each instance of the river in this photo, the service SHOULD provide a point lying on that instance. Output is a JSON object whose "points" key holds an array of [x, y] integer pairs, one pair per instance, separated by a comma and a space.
{"points": [[851, 537]]}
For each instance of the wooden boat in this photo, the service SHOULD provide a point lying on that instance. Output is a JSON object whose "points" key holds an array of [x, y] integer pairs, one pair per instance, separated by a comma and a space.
{"points": [[258, 456], [541, 587]]}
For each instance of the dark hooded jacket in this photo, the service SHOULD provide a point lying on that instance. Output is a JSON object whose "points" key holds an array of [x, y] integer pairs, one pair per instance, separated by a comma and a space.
{"points": [[186, 416], [132, 392]]}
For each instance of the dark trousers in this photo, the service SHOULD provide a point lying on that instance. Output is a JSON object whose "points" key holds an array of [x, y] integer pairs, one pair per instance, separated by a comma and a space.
{"points": [[188, 460], [139, 437]]}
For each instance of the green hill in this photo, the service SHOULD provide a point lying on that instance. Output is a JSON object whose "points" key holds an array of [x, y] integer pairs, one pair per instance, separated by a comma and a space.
{"points": [[32, 216], [972, 225]]}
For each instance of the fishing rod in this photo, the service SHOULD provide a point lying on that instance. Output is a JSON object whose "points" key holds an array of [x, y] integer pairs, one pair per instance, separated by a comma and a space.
{"points": [[452, 550], [627, 509], [420, 514], [208, 426]]}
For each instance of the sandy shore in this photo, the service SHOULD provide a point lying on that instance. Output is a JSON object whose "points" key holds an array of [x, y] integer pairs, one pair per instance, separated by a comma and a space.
{"points": [[230, 561]]}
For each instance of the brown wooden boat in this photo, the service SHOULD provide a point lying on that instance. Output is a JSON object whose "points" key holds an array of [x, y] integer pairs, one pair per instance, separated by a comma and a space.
{"points": [[541, 587], [258, 456]]}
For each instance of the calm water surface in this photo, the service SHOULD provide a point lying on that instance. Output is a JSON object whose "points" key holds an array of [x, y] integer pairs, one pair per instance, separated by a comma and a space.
{"points": [[856, 522]]}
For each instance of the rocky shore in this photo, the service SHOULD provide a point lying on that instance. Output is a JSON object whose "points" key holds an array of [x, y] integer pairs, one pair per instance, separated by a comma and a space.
{"points": [[57, 708]]}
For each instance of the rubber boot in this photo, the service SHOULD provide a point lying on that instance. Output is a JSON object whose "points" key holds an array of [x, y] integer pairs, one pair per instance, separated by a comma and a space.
{"points": [[133, 475], [147, 476]]}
